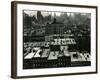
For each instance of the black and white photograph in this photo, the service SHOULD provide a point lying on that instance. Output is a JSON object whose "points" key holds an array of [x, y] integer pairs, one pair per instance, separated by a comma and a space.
{"points": [[53, 39], [56, 39]]}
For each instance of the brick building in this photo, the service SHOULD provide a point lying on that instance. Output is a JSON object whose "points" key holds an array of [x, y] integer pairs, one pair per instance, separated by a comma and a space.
{"points": [[54, 28]]}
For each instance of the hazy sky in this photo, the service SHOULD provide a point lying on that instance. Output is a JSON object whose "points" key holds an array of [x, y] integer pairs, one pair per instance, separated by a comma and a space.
{"points": [[44, 13]]}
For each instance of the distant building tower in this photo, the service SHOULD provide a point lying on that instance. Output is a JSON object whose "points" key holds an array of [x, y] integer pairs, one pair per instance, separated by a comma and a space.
{"points": [[54, 15], [39, 17]]}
